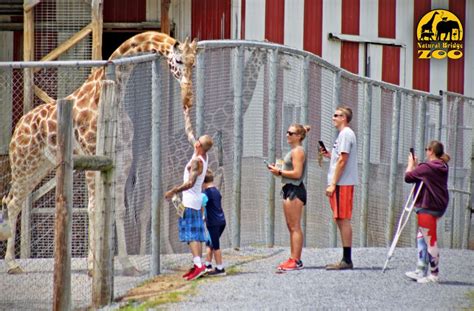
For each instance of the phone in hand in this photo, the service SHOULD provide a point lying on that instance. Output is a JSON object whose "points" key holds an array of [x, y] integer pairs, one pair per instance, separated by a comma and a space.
{"points": [[266, 163], [323, 148], [412, 151]]}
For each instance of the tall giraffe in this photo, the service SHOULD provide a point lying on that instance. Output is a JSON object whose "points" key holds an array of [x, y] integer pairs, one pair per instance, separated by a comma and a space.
{"points": [[33, 145]]}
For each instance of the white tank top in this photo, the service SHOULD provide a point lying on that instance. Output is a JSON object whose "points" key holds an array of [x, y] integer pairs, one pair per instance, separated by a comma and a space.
{"points": [[192, 197]]}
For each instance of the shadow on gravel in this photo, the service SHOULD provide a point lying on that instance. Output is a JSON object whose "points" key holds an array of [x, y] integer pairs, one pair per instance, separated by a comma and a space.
{"points": [[456, 283], [356, 268]]}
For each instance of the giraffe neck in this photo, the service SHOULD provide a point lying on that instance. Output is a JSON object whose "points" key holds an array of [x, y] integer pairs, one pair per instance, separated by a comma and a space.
{"points": [[146, 42]]}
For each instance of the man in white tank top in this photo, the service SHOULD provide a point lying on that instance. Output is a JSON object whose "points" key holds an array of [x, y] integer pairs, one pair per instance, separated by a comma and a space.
{"points": [[191, 225]]}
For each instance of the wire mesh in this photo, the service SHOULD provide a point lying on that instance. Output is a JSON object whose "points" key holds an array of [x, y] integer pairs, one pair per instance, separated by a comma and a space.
{"points": [[452, 123]]}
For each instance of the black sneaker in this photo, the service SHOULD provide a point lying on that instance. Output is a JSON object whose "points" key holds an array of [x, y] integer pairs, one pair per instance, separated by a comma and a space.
{"points": [[208, 268], [217, 272]]}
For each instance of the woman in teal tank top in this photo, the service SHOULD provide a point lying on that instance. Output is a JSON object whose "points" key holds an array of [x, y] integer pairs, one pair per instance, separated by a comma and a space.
{"points": [[293, 192]]}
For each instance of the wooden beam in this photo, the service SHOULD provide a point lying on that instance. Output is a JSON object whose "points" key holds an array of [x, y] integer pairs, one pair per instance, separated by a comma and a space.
{"points": [[134, 26], [97, 28], [69, 43], [92, 163], [28, 5], [42, 94], [47, 187], [165, 19]]}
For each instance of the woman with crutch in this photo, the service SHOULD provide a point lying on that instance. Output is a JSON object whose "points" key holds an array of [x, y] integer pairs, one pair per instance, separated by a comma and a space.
{"points": [[429, 206]]}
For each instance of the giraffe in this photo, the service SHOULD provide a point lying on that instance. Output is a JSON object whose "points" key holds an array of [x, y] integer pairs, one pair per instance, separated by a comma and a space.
{"points": [[33, 144], [428, 27]]}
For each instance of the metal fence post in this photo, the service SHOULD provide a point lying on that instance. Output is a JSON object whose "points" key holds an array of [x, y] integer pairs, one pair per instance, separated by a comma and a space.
{"points": [[200, 88], [392, 183], [336, 101], [272, 102], [156, 190], [304, 121], [365, 164], [456, 221], [238, 143]]}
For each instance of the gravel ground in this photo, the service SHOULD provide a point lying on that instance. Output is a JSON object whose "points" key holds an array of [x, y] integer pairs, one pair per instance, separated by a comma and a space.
{"points": [[256, 286]]}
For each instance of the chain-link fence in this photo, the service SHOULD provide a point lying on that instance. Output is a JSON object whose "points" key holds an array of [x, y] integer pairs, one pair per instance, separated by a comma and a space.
{"points": [[246, 96]]}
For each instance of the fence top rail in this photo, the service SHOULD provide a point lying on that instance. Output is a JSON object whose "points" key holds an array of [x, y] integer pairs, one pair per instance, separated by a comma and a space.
{"points": [[80, 63], [458, 95], [289, 50]]}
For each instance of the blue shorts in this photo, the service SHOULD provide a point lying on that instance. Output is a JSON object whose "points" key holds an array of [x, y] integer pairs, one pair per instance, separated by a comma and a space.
{"points": [[191, 226]]}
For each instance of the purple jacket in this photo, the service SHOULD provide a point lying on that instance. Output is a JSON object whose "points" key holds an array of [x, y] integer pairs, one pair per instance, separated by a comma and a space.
{"points": [[434, 196]]}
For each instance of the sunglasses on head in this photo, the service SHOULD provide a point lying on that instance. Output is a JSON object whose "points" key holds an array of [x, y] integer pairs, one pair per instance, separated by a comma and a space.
{"points": [[290, 133]]}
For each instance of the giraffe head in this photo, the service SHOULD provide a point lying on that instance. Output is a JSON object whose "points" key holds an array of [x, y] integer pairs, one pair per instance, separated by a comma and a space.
{"points": [[180, 56], [181, 60]]}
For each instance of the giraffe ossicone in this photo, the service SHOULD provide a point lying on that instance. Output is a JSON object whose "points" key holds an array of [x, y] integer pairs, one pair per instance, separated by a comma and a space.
{"points": [[33, 143]]}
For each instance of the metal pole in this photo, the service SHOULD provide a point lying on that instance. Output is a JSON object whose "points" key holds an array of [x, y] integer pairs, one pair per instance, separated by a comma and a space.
{"points": [[457, 209], [419, 151], [200, 87], [63, 219], [272, 102], [335, 103], [156, 190], [365, 164], [238, 143], [304, 121], [392, 182], [441, 136]]}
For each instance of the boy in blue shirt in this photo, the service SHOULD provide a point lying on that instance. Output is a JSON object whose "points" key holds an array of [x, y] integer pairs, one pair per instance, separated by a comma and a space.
{"points": [[215, 222]]}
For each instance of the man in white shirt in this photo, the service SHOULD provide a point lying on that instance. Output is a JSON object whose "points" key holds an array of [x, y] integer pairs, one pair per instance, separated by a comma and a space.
{"points": [[342, 177]]}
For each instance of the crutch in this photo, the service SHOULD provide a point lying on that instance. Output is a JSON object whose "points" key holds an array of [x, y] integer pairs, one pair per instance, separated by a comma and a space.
{"points": [[403, 221]]}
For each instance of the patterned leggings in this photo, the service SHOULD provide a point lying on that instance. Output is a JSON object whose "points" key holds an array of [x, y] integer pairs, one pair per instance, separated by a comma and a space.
{"points": [[428, 252]]}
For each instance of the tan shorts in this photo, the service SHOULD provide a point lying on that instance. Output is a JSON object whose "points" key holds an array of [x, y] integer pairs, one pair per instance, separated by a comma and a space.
{"points": [[341, 202]]}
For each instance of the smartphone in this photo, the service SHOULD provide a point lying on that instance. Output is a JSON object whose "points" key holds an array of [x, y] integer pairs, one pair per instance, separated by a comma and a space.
{"points": [[321, 144], [412, 151], [266, 162]]}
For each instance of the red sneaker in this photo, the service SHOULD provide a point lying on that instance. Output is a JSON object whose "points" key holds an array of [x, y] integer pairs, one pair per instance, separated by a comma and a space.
{"points": [[197, 272], [188, 273], [291, 264]]}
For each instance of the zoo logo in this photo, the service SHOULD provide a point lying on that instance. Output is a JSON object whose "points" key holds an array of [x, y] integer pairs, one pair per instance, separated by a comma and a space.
{"points": [[439, 34]]}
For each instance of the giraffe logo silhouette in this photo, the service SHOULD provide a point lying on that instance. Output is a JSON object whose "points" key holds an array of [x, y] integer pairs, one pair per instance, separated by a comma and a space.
{"points": [[440, 35]]}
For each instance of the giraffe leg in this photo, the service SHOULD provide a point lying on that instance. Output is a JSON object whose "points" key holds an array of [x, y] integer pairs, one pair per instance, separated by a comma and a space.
{"points": [[23, 182], [14, 209], [123, 163], [90, 179]]}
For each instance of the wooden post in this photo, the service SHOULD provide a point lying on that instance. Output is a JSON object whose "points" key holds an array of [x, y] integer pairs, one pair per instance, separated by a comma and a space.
{"points": [[63, 219], [102, 282], [165, 20], [28, 55], [97, 26]]}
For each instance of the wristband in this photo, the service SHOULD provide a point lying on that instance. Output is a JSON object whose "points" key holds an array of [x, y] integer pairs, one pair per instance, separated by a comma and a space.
{"points": [[279, 172]]}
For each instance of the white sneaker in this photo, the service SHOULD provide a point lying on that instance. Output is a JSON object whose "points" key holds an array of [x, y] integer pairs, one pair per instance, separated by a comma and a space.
{"points": [[415, 275], [429, 279]]}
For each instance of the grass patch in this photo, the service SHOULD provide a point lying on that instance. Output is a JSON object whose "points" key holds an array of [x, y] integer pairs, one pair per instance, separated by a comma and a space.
{"points": [[470, 296], [160, 290]]}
